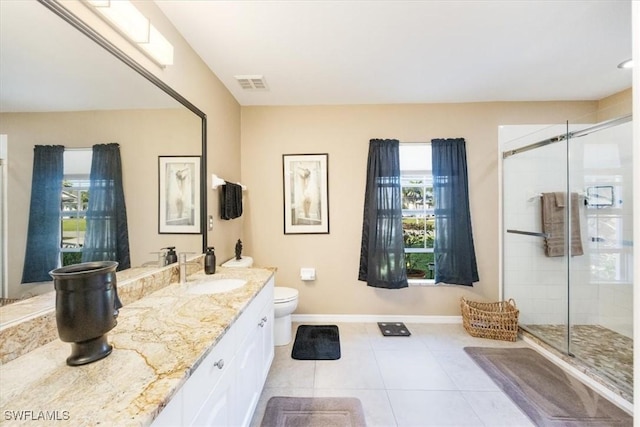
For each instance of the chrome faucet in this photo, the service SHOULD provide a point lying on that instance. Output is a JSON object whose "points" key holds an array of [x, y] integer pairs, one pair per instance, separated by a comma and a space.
{"points": [[161, 262], [182, 265]]}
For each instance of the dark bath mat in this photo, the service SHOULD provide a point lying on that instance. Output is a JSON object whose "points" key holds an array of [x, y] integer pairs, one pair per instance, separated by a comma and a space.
{"points": [[393, 329], [316, 342]]}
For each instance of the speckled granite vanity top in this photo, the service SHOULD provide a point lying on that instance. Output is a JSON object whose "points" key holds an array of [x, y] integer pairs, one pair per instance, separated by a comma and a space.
{"points": [[159, 340], [30, 323]]}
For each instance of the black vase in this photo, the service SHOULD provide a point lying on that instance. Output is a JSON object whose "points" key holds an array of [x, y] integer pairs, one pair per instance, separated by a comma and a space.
{"points": [[87, 306]]}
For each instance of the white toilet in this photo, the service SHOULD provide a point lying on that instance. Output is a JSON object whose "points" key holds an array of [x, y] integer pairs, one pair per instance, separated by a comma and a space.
{"points": [[285, 303]]}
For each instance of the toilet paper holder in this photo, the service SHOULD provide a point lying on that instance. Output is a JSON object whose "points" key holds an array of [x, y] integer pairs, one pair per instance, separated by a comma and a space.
{"points": [[307, 274]]}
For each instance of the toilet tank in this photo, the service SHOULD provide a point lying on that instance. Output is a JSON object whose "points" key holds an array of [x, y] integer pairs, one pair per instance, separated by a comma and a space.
{"points": [[243, 262]]}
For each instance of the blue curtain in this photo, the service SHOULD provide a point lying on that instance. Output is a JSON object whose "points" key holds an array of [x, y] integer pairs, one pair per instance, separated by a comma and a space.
{"points": [[382, 263], [454, 252], [107, 235], [44, 235]]}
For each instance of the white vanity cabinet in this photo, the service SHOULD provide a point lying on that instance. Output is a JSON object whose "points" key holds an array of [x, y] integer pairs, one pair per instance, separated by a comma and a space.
{"points": [[224, 390], [253, 361]]}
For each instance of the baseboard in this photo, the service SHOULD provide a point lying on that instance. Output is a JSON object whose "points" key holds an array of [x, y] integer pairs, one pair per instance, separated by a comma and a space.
{"points": [[372, 318]]}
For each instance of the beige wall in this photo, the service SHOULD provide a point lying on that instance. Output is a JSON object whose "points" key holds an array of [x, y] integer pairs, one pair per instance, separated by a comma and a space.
{"points": [[616, 105], [344, 133], [143, 135]]}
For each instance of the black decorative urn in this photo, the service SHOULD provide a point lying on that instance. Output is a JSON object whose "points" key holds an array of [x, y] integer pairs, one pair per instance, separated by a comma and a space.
{"points": [[87, 306]]}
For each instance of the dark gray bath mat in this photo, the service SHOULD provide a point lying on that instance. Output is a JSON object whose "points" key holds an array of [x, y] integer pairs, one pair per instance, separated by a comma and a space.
{"points": [[393, 329], [546, 393], [316, 342]]}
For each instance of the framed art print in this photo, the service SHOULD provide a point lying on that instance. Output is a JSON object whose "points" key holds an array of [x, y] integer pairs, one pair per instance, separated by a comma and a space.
{"points": [[179, 194], [306, 201]]}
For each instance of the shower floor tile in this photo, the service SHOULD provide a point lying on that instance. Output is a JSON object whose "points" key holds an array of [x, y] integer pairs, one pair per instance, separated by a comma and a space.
{"points": [[606, 351]]}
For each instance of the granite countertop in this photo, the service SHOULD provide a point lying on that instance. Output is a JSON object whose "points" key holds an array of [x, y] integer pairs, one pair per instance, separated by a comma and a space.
{"points": [[30, 323], [158, 341]]}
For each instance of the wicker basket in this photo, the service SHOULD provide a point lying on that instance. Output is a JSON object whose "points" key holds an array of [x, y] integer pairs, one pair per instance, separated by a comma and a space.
{"points": [[495, 320]]}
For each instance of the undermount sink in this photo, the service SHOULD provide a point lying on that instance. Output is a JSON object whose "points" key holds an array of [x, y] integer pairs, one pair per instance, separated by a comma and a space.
{"points": [[215, 286]]}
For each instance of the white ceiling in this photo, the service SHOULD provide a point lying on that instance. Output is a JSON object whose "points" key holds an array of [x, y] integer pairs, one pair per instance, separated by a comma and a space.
{"points": [[381, 52]]}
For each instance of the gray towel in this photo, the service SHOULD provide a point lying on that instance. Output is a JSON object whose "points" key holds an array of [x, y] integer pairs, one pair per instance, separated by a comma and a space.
{"points": [[553, 219], [230, 201]]}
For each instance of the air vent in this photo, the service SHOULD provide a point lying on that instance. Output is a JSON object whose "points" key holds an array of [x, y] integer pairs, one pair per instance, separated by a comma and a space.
{"points": [[256, 82]]}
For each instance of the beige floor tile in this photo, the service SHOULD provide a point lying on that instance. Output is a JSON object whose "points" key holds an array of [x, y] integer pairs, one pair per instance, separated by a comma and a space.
{"points": [[418, 408], [495, 409], [355, 369]]}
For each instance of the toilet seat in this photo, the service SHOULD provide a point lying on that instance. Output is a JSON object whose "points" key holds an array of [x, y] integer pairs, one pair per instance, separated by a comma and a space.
{"points": [[282, 294]]}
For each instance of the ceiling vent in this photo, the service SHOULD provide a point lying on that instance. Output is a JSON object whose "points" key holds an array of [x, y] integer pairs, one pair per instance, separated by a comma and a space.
{"points": [[254, 83]]}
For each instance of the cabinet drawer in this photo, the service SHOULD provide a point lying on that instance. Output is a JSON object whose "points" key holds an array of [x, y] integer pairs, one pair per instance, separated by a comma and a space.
{"points": [[202, 382], [250, 317]]}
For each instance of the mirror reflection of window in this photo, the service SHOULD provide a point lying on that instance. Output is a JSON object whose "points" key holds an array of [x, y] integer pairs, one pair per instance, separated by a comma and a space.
{"points": [[75, 199]]}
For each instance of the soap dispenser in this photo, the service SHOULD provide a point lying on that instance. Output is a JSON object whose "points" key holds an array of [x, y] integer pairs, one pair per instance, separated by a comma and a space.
{"points": [[172, 256], [210, 261]]}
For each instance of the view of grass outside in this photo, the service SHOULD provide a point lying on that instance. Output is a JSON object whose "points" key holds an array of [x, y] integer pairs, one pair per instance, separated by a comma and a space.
{"points": [[74, 224], [418, 225]]}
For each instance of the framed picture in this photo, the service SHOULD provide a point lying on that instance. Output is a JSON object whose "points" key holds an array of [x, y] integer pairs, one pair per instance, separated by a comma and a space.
{"points": [[306, 201], [179, 195]]}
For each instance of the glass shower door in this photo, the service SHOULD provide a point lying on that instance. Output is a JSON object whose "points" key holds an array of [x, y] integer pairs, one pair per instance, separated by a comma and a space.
{"points": [[601, 287], [535, 278]]}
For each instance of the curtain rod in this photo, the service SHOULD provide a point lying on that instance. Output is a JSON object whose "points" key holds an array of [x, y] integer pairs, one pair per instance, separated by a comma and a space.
{"points": [[562, 137]]}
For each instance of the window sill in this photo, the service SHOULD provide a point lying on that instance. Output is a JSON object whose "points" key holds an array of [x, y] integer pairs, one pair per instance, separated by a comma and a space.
{"points": [[422, 282]]}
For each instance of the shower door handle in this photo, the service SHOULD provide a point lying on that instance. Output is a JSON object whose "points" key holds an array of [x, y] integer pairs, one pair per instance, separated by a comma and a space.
{"points": [[528, 233]]}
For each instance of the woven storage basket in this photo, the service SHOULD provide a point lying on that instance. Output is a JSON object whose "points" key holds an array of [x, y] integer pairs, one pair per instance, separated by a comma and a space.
{"points": [[495, 320]]}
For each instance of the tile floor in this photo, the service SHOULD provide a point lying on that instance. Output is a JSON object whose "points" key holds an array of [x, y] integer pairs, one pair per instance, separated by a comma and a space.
{"points": [[423, 380]]}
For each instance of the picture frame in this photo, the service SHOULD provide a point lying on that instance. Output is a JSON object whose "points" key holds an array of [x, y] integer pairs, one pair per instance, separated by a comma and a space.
{"points": [[306, 193], [179, 195]]}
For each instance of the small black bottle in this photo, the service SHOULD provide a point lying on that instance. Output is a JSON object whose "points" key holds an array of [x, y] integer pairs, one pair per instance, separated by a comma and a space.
{"points": [[171, 256], [210, 261]]}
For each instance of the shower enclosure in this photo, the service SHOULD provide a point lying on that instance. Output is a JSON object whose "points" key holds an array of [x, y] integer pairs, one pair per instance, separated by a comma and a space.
{"points": [[567, 230]]}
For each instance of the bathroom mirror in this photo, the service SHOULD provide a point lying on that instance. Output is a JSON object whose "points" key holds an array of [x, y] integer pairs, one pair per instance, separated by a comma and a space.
{"points": [[58, 86]]}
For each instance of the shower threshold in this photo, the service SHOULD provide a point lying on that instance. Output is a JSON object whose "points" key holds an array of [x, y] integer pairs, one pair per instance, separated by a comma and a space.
{"points": [[600, 353]]}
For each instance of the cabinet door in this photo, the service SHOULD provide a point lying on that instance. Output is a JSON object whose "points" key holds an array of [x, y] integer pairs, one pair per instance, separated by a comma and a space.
{"points": [[208, 378], [266, 341], [248, 370], [171, 414], [218, 410], [254, 359]]}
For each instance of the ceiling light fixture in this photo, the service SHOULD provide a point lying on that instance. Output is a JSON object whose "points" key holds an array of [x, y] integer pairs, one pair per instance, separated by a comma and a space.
{"points": [[125, 18], [626, 64]]}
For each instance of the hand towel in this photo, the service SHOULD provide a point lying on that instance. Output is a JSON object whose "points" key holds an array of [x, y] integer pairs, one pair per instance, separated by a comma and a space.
{"points": [[553, 224], [230, 201]]}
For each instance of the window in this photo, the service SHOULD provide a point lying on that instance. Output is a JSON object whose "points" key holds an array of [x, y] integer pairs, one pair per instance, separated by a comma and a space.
{"points": [[75, 199], [418, 219]]}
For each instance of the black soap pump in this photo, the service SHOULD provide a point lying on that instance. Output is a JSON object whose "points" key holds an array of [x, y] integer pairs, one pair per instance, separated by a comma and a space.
{"points": [[171, 256], [210, 261]]}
